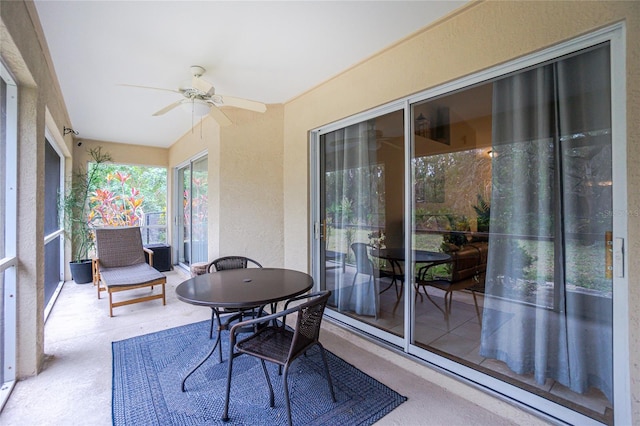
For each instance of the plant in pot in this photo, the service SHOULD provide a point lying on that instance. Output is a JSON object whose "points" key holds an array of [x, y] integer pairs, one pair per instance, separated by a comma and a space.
{"points": [[483, 210], [76, 214]]}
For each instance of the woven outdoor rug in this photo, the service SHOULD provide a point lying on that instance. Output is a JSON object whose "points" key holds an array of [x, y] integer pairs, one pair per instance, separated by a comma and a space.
{"points": [[148, 370]]}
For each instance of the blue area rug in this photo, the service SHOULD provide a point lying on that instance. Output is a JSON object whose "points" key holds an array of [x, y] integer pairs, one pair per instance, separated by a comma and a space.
{"points": [[148, 370]]}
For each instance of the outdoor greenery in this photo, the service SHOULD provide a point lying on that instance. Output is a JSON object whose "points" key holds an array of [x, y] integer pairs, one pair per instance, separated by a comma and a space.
{"points": [[483, 213], [124, 180], [75, 204], [108, 194], [453, 193], [195, 203], [128, 195]]}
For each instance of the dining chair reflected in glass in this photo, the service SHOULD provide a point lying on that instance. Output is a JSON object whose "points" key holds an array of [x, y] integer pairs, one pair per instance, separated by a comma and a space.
{"points": [[367, 266]]}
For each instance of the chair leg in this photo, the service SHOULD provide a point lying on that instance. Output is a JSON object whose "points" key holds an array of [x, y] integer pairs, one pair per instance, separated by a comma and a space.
{"points": [[475, 301], [220, 331], [399, 290], [225, 413], [110, 304], [373, 281], [389, 286], [266, 375], [285, 385], [326, 369], [213, 315], [417, 288]]}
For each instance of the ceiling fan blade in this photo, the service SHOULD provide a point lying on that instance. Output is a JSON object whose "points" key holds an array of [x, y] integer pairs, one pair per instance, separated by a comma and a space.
{"points": [[150, 88], [219, 116], [168, 108], [243, 103], [203, 86]]}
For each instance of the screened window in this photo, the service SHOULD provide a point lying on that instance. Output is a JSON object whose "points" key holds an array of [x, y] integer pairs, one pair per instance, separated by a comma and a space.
{"points": [[8, 227]]}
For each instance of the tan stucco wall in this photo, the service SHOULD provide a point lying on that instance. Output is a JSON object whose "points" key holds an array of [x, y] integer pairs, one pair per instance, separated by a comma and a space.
{"points": [[251, 199], [204, 138], [135, 155], [245, 182], [39, 95], [473, 38]]}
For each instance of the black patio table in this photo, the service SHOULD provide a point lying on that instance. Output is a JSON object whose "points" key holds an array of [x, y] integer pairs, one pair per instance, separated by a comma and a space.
{"points": [[241, 289], [419, 256], [395, 255]]}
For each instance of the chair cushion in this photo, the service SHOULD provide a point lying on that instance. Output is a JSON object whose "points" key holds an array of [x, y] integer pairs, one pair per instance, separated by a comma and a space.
{"points": [[129, 275]]}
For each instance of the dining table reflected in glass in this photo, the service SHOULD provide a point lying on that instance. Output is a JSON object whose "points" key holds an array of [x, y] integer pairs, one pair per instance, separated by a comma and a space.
{"points": [[396, 257]]}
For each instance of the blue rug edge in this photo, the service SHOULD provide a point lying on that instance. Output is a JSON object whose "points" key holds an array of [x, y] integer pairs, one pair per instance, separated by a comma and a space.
{"points": [[374, 418]]}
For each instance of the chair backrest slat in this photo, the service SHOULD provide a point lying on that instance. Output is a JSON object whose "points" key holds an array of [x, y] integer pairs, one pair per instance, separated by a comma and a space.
{"points": [[308, 322], [118, 247], [231, 262]]}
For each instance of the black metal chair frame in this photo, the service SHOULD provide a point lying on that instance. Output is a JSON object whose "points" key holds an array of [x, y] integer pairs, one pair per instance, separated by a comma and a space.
{"points": [[230, 315], [231, 262], [469, 284], [272, 333]]}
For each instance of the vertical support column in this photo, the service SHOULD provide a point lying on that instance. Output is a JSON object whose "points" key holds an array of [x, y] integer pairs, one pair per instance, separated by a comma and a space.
{"points": [[30, 253]]}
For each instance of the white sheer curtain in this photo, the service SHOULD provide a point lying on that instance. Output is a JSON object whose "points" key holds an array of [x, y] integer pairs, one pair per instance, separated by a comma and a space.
{"points": [[352, 152], [548, 309]]}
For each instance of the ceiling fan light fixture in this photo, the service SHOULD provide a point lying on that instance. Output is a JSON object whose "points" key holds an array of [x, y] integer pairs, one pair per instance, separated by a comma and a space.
{"points": [[196, 107]]}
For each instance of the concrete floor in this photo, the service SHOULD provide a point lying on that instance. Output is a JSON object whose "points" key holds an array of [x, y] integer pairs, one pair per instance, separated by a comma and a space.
{"points": [[74, 387]]}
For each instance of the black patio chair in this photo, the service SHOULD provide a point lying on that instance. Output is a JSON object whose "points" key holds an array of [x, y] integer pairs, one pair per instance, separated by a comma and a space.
{"points": [[231, 262], [229, 314], [280, 344]]}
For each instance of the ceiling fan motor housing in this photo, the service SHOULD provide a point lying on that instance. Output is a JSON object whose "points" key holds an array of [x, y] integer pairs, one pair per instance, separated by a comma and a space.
{"points": [[197, 70]]}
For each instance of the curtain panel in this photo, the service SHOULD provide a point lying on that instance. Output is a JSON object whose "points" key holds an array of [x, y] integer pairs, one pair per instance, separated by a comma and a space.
{"points": [[548, 306]]}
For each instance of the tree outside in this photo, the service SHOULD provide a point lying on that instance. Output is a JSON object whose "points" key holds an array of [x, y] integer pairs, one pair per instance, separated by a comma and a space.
{"points": [[127, 195]]}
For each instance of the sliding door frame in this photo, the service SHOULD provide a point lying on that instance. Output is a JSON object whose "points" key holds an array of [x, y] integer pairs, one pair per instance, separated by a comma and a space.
{"points": [[622, 387], [9, 263], [615, 35], [179, 210]]}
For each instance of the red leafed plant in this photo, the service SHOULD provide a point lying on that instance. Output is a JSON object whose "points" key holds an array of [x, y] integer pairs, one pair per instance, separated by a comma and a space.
{"points": [[119, 204]]}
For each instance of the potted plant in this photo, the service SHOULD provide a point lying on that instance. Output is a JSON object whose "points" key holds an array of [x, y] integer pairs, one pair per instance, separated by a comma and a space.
{"points": [[483, 210], [75, 208]]}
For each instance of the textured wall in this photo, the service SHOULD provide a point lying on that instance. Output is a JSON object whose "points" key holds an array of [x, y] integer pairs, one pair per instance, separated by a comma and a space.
{"points": [[39, 102], [251, 198], [476, 37], [245, 183]]}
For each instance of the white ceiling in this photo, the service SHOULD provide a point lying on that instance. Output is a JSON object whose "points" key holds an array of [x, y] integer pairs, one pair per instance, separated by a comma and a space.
{"points": [[266, 51]]}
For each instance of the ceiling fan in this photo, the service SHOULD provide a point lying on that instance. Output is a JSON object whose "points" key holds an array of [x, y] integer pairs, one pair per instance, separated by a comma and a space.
{"points": [[201, 98]]}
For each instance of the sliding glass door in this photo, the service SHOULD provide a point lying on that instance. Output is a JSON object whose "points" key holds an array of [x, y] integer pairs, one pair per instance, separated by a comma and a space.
{"points": [[502, 269], [523, 207], [362, 209], [192, 239]]}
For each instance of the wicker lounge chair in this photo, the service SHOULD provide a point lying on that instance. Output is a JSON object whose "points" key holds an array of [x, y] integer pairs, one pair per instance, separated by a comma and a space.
{"points": [[121, 266]]}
